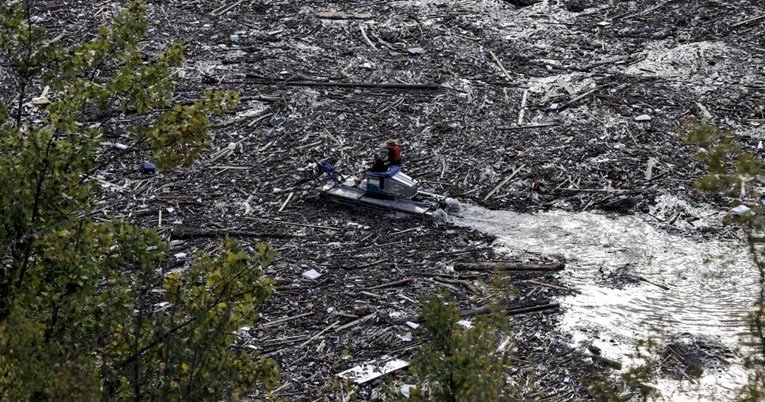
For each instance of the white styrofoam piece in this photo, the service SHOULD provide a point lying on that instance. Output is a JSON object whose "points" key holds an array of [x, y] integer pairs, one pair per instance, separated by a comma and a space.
{"points": [[372, 369]]}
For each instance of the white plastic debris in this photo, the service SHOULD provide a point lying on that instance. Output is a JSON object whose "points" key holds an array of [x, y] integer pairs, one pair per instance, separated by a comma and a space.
{"points": [[412, 325], [406, 389], [372, 369], [467, 324], [180, 256], [643, 117], [311, 274], [120, 146], [740, 210], [416, 50]]}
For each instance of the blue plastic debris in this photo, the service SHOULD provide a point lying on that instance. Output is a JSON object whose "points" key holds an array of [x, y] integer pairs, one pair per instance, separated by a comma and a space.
{"points": [[148, 167], [276, 122]]}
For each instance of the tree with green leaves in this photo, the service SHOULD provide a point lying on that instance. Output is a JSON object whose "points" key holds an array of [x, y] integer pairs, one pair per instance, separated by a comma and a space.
{"points": [[459, 363], [733, 172], [88, 310]]}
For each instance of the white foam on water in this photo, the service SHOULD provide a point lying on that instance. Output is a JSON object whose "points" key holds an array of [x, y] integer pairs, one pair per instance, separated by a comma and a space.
{"points": [[712, 283]]}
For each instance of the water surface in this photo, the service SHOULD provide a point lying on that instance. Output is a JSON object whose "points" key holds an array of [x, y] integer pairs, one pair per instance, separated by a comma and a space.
{"points": [[712, 283]]}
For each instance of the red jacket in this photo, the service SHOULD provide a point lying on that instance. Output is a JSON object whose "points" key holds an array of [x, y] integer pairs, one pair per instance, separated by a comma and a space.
{"points": [[394, 154]]}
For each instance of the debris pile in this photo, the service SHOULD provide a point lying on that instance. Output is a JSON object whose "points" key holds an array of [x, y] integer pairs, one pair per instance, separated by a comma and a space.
{"points": [[523, 105]]}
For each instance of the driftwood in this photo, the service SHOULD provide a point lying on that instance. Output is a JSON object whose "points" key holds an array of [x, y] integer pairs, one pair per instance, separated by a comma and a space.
{"points": [[607, 362], [506, 266], [528, 126], [391, 284], [464, 283], [350, 84], [320, 333], [339, 15], [283, 320], [512, 311], [502, 184], [549, 285], [363, 85], [355, 322], [200, 233], [653, 283]]}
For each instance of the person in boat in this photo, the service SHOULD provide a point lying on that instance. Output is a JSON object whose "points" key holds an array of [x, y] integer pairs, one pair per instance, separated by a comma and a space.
{"points": [[394, 153], [379, 165]]}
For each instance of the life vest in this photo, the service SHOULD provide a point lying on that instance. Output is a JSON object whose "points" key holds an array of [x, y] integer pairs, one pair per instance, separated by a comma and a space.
{"points": [[394, 154]]}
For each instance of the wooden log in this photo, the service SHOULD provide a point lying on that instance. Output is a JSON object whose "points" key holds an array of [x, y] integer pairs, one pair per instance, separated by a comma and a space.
{"points": [[653, 283], [747, 21], [531, 309], [225, 8], [366, 38], [349, 84], [292, 223], [371, 264], [289, 197], [363, 85], [501, 67], [334, 324], [529, 126], [391, 284], [339, 15], [549, 285], [607, 362], [506, 266], [198, 233], [523, 107], [502, 184], [512, 311], [464, 283], [370, 294], [355, 322], [282, 320]]}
